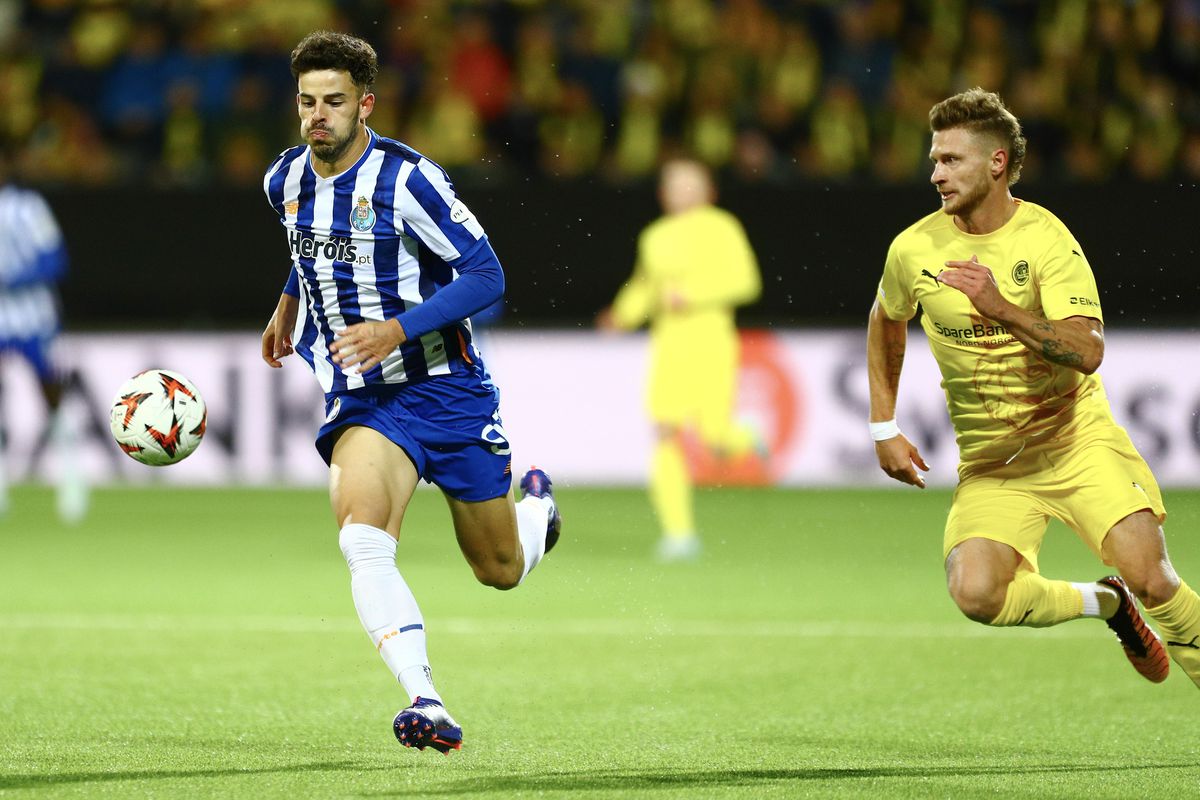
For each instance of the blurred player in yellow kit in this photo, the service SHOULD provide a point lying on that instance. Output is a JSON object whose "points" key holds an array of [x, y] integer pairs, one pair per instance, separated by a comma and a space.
{"points": [[694, 267], [1012, 314]]}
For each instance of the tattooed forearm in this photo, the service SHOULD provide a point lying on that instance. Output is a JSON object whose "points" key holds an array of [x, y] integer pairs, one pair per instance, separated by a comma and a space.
{"points": [[1053, 350], [1063, 342]]}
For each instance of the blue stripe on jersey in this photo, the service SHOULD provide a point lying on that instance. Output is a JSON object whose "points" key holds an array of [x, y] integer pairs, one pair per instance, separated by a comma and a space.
{"points": [[275, 190], [343, 272], [435, 274], [387, 248], [304, 222], [413, 351], [431, 200]]}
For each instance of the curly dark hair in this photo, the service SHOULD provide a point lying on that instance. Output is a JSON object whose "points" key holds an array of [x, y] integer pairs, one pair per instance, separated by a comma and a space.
{"points": [[983, 112], [340, 51]]}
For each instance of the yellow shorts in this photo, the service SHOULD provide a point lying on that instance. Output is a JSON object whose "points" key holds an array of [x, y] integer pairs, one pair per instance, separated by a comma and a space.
{"points": [[1090, 486], [693, 383]]}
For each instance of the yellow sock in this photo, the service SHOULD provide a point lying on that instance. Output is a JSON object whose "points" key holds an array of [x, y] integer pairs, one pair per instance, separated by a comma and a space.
{"points": [[671, 490], [1036, 602], [1179, 623], [733, 440]]}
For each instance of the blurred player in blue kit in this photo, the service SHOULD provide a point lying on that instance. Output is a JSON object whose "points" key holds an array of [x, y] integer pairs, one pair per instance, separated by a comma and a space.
{"points": [[33, 258], [388, 265]]}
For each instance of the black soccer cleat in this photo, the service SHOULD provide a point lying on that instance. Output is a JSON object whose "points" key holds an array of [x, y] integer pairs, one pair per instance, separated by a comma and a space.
{"points": [[1142, 646], [538, 484], [426, 724]]}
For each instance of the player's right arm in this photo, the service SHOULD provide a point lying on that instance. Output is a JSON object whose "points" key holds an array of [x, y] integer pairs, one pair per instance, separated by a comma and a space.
{"points": [[635, 302], [631, 308], [277, 338], [887, 340]]}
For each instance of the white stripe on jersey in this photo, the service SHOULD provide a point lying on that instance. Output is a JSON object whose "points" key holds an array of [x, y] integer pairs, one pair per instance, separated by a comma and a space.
{"points": [[322, 226], [370, 303], [321, 365], [433, 173], [28, 231], [412, 212], [30, 312], [406, 208]]}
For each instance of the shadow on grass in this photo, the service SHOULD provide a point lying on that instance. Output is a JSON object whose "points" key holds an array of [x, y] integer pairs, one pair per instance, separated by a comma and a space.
{"points": [[645, 780], [58, 778]]}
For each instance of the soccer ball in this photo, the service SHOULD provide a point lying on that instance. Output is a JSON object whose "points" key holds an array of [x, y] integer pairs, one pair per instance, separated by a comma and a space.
{"points": [[158, 417]]}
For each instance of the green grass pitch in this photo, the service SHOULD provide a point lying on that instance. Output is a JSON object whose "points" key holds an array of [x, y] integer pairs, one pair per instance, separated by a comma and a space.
{"points": [[202, 643]]}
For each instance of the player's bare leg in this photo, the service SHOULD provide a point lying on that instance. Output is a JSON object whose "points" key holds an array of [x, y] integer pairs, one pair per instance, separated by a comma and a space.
{"points": [[504, 540], [978, 574], [488, 537], [371, 482], [1137, 547], [993, 584]]}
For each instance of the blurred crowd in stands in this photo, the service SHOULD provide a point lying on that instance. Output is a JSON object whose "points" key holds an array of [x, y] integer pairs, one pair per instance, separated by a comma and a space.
{"points": [[198, 92]]}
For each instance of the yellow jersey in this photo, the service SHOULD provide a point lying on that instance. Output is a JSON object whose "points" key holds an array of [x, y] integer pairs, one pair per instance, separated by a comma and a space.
{"points": [[703, 257], [1002, 397]]}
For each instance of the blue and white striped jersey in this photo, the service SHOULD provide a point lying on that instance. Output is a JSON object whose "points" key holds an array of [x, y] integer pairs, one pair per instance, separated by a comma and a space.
{"points": [[33, 258], [373, 243]]}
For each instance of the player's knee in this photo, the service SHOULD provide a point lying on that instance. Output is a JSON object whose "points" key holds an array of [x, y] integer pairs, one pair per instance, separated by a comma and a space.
{"points": [[498, 574], [1153, 586], [502, 579], [1148, 573], [978, 599]]}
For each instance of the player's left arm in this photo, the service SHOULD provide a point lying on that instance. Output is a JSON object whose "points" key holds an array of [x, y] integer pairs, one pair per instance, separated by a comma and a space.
{"points": [[429, 211], [480, 283], [1076, 341]]}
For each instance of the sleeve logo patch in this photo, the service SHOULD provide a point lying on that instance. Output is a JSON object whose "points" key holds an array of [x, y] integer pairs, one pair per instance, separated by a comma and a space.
{"points": [[459, 212], [1020, 273]]}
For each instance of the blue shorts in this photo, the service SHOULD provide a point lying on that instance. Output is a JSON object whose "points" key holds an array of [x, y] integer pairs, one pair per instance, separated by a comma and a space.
{"points": [[448, 425], [37, 352]]}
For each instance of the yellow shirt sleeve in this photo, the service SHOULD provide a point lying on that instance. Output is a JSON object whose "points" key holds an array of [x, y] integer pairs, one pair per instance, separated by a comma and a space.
{"points": [[896, 294], [1067, 285]]}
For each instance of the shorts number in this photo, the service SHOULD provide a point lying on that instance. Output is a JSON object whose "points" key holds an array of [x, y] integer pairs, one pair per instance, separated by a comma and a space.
{"points": [[494, 435]]}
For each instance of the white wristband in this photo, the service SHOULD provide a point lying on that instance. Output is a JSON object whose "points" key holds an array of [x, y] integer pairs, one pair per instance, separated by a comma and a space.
{"points": [[881, 431]]}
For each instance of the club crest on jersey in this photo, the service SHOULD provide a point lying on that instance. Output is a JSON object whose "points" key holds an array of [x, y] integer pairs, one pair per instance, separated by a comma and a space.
{"points": [[362, 216], [291, 207], [1020, 273]]}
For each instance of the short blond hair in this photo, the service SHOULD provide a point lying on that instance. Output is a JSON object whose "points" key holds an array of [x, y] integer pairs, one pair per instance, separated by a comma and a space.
{"points": [[983, 112]]}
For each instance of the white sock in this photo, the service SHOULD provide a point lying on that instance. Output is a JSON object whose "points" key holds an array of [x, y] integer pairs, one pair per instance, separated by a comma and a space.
{"points": [[386, 607], [1091, 598], [72, 494], [533, 515]]}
